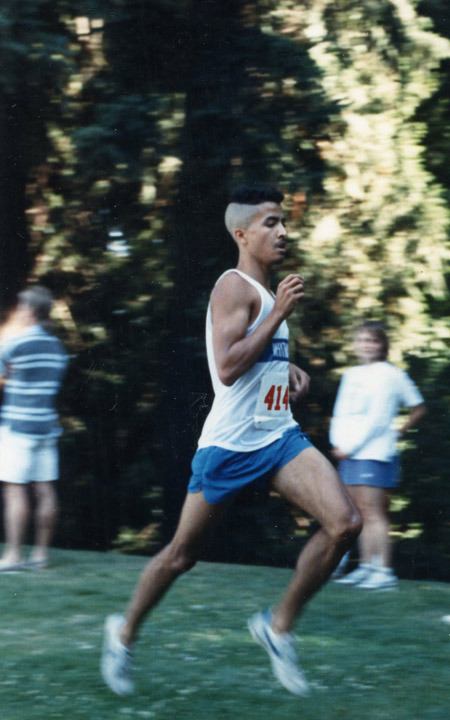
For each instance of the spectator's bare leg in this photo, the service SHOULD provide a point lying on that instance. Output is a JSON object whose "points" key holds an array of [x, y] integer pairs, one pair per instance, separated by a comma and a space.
{"points": [[45, 519], [374, 542], [16, 515]]}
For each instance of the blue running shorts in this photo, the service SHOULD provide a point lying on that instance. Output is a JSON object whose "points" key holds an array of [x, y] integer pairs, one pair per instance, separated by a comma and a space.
{"points": [[220, 473], [374, 473]]}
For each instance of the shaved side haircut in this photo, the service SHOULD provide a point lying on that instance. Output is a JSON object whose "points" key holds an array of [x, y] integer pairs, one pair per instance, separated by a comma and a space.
{"points": [[244, 202]]}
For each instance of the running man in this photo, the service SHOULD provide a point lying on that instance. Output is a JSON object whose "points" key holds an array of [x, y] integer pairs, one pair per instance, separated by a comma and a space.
{"points": [[249, 436]]}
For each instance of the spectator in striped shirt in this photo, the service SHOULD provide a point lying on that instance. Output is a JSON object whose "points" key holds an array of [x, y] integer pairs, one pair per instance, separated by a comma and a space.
{"points": [[32, 366]]}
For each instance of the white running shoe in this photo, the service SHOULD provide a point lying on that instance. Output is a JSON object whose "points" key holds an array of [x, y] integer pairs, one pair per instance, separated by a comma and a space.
{"points": [[116, 658], [357, 576], [280, 648], [380, 579], [7, 567]]}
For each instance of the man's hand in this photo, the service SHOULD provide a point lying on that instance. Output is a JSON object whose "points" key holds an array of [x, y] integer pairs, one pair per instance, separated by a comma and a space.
{"points": [[338, 454], [289, 292], [298, 383]]}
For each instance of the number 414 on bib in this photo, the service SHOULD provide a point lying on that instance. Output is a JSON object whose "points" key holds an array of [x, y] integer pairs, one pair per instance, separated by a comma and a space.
{"points": [[275, 399]]}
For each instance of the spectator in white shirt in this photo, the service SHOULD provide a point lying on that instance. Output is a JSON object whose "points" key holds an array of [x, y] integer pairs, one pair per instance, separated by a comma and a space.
{"points": [[363, 438]]}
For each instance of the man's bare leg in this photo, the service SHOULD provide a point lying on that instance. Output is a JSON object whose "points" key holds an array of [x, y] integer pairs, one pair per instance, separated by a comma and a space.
{"points": [[16, 514], [45, 519], [310, 482], [176, 558]]}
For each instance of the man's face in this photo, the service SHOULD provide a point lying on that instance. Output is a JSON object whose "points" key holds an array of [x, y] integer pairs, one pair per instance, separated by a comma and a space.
{"points": [[265, 238]]}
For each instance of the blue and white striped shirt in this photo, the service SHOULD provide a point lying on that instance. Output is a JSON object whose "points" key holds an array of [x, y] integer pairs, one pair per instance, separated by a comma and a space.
{"points": [[33, 366]]}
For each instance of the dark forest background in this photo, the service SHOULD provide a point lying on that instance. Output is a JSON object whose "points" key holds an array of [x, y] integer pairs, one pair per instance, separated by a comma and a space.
{"points": [[123, 126]]}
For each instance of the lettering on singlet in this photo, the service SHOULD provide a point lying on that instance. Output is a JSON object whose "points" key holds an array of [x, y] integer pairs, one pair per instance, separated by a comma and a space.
{"points": [[276, 350]]}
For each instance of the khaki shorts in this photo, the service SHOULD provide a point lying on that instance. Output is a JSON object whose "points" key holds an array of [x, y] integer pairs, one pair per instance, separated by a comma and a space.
{"points": [[25, 459]]}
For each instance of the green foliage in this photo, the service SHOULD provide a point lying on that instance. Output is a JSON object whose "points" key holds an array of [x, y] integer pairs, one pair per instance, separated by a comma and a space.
{"points": [[34, 51], [377, 244], [133, 122], [378, 237]]}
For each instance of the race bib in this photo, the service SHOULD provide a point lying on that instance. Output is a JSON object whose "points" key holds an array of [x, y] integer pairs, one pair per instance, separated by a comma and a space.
{"points": [[272, 406]]}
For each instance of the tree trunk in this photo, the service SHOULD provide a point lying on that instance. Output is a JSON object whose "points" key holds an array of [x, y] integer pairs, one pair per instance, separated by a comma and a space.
{"points": [[14, 261], [200, 203]]}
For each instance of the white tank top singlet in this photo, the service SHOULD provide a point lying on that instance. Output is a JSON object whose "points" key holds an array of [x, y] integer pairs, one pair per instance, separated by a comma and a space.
{"points": [[254, 411]]}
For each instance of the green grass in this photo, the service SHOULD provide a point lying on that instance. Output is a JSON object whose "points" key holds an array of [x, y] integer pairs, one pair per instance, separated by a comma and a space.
{"points": [[376, 656]]}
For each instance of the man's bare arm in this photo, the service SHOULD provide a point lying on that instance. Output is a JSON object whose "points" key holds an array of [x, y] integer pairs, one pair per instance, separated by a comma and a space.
{"points": [[231, 305], [299, 381]]}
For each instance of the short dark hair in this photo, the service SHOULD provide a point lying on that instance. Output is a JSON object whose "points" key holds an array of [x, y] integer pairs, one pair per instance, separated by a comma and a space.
{"points": [[256, 194], [378, 330], [39, 299]]}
